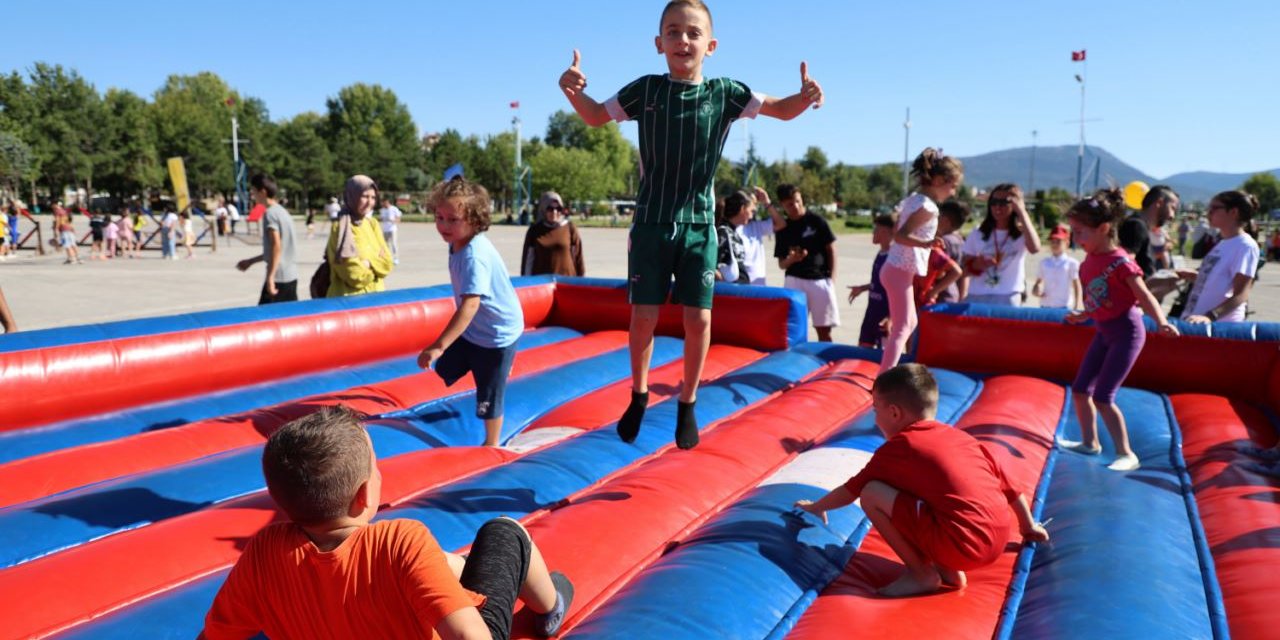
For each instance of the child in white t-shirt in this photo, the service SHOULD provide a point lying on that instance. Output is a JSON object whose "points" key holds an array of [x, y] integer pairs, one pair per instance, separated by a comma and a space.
{"points": [[1222, 285], [1058, 283]]}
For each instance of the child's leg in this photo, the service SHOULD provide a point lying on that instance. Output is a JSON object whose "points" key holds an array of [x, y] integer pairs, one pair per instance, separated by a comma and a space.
{"points": [[493, 431], [902, 314], [1127, 335], [878, 499], [644, 320], [1082, 390], [504, 565], [697, 340], [490, 367]]}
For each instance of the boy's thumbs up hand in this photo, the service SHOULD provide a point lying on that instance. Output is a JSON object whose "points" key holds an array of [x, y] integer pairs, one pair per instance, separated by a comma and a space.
{"points": [[809, 88], [572, 81]]}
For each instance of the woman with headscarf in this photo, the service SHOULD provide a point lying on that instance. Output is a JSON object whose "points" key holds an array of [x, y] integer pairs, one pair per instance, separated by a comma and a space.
{"points": [[552, 244], [359, 260]]}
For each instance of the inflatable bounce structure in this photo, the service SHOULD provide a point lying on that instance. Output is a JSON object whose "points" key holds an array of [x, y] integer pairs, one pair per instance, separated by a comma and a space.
{"points": [[130, 468]]}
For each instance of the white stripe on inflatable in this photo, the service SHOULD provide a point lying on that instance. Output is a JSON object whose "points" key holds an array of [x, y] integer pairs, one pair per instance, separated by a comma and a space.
{"points": [[825, 468], [527, 441]]}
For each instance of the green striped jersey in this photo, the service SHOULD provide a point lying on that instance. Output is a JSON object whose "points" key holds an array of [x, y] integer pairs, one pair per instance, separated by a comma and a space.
{"points": [[683, 127]]}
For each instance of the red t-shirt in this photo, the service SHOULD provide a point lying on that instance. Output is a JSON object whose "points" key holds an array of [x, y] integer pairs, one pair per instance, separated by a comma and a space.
{"points": [[939, 263], [952, 473], [1105, 279], [388, 580]]}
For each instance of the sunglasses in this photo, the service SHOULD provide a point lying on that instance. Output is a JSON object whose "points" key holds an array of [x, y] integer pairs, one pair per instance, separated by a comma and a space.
{"points": [[554, 207], [999, 202]]}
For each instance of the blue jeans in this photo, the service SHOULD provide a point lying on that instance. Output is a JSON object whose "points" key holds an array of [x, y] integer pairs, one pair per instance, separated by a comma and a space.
{"points": [[168, 244]]}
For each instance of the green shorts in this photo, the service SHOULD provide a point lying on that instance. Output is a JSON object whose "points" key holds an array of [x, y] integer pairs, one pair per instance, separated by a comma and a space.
{"points": [[656, 252]]}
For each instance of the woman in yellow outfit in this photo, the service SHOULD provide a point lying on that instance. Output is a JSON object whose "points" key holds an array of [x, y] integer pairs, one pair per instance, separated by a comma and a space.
{"points": [[359, 259]]}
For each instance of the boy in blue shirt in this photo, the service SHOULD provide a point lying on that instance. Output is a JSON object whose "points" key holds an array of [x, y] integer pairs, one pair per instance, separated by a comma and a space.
{"points": [[481, 336], [684, 120]]}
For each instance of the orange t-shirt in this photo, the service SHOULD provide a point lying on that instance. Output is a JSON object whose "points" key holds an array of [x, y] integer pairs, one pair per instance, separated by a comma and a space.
{"points": [[388, 580]]}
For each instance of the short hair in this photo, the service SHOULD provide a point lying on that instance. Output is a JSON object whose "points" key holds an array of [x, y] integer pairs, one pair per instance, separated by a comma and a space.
{"points": [[955, 211], [734, 204], [910, 386], [885, 220], [692, 4], [933, 163], [472, 200], [1158, 193], [314, 465], [266, 183], [785, 191]]}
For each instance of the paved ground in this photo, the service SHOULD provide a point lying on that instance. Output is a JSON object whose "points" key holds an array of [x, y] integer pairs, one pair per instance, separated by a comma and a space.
{"points": [[42, 292]]}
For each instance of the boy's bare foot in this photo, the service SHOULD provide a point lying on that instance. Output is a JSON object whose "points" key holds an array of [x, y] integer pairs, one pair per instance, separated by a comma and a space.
{"points": [[1080, 447], [911, 584], [952, 578]]}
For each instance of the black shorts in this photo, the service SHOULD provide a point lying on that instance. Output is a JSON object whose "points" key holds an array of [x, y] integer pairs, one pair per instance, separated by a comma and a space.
{"points": [[285, 292], [496, 569], [489, 366]]}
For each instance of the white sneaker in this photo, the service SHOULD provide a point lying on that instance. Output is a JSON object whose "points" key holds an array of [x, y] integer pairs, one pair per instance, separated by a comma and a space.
{"points": [[1125, 463], [1078, 447]]}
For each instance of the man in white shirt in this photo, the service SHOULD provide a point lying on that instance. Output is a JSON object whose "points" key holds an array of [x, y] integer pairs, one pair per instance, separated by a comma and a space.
{"points": [[390, 216], [333, 209], [234, 213]]}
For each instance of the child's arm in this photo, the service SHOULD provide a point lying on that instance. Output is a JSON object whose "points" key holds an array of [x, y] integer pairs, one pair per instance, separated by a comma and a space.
{"points": [[1032, 531], [457, 324], [838, 497], [1028, 227], [572, 82], [793, 105], [1149, 304], [775, 213], [952, 274], [857, 290], [1037, 289], [1077, 294], [917, 219]]}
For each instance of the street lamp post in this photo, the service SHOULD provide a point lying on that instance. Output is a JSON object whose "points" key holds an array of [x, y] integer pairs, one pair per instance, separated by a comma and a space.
{"points": [[906, 152]]}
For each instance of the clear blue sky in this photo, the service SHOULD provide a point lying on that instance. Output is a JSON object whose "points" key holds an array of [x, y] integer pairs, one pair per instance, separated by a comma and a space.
{"points": [[1178, 85]]}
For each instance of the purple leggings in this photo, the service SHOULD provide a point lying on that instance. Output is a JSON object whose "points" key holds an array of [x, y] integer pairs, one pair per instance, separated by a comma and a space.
{"points": [[1110, 356]]}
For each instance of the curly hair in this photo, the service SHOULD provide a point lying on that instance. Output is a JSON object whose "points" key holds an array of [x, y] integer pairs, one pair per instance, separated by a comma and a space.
{"points": [[469, 198]]}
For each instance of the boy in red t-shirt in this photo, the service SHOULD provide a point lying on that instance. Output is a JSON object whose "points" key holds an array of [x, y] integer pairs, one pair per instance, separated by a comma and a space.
{"points": [[943, 272], [934, 493], [331, 574]]}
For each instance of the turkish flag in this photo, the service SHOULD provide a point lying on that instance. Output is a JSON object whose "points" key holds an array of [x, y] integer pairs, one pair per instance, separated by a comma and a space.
{"points": [[515, 105], [1077, 56]]}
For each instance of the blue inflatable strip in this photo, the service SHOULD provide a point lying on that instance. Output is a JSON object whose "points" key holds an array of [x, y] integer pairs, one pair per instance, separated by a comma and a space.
{"points": [[23, 443], [81, 515], [1246, 331], [454, 424], [797, 316], [758, 554], [1107, 527], [1208, 570], [453, 513]]}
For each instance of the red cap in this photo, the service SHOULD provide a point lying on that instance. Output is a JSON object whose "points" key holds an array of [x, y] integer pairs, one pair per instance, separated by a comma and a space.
{"points": [[1060, 232]]}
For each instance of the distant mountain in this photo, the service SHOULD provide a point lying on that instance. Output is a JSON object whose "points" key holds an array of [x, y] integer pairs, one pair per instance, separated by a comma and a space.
{"points": [[1056, 167]]}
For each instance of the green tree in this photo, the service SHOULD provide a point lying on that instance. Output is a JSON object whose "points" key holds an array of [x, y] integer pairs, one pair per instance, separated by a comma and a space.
{"points": [[15, 161], [192, 116], [127, 162], [606, 144], [1266, 187], [850, 186], [371, 132], [573, 173], [566, 129], [449, 149], [65, 117], [814, 161], [303, 163], [884, 184]]}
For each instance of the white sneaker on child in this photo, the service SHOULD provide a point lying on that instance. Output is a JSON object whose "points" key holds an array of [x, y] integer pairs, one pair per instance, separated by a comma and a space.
{"points": [[1125, 463], [1078, 447]]}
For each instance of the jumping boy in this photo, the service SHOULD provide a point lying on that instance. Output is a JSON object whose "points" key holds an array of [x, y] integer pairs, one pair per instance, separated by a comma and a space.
{"points": [[329, 573], [934, 493], [684, 120]]}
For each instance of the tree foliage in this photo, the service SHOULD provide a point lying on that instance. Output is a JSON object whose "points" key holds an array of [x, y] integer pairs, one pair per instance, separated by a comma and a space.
{"points": [[371, 132], [1266, 187]]}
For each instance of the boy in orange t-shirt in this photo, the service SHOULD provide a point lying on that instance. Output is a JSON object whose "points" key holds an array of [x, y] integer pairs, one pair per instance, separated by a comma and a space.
{"points": [[934, 493], [331, 574]]}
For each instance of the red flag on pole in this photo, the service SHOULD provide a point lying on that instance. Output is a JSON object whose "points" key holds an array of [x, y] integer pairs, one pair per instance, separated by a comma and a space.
{"points": [[515, 104], [1077, 56]]}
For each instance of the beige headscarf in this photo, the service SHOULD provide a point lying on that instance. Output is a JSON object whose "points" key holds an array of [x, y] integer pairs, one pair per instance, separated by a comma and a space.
{"points": [[355, 188], [549, 198]]}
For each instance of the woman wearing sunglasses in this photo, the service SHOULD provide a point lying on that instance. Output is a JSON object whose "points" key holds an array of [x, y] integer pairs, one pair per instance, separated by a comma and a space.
{"points": [[995, 253], [552, 244]]}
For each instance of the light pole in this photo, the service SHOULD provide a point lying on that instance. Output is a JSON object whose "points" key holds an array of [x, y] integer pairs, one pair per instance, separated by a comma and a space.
{"points": [[1080, 77], [1031, 184], [906, 151]]}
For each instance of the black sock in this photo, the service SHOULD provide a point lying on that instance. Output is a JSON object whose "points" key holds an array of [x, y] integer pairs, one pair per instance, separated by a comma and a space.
{"points": [[686, 426], [629, 425]]}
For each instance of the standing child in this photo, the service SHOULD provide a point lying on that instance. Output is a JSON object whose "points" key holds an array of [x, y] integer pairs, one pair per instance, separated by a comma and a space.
{"points": [[481, 336], [934, 493], [941, 274], [805, 250], [753, 232], [1113, 292], [66, 234], [188, 233], [873, 321], [97, 221], [732, 252], [1058, 283], [937, 176], [684, 120], [330, 572], [112, 232], [952, 215]]}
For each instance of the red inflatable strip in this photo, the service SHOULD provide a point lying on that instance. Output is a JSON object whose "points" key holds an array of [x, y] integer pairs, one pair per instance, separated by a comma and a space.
{"points": [[42, 475], [1016, 418], [106, 574], [758, 323], [606, 405], [1240, 509], [610, 532]]}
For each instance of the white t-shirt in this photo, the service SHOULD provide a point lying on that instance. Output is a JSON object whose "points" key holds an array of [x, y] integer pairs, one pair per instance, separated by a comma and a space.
{"points": [[170, 220], [220, 212], [332, 210], [1228, 258], [756, 256], [389, 216], [233, 212], [1058, 272], [915, 259], [1009, 276]]}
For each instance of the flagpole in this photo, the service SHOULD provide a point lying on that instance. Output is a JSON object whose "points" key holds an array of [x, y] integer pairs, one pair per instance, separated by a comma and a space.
{"points": [[1083, 77], [906, 152]]}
